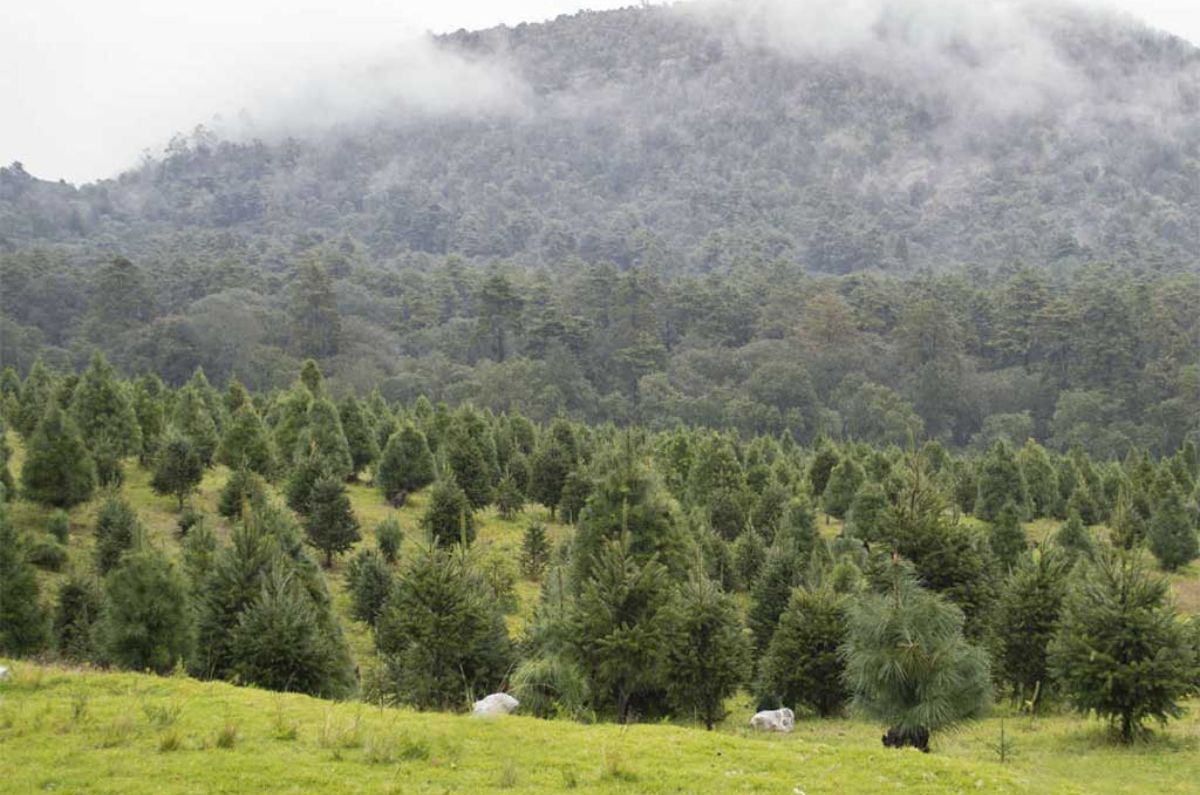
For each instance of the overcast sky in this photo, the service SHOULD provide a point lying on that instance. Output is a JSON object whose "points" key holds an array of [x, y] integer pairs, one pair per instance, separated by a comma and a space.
{"points": [[86, 86]]}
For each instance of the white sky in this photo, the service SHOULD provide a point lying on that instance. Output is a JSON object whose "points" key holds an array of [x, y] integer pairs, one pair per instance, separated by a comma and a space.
{"points": [[87, 85]]}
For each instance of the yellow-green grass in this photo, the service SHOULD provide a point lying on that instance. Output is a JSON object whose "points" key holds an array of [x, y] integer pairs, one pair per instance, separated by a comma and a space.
{"points": [[69, 730]]}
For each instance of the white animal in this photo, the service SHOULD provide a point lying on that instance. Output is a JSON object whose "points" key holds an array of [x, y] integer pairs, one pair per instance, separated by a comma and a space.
{"points": [[4, 674], [774, 720], [495, 704]]}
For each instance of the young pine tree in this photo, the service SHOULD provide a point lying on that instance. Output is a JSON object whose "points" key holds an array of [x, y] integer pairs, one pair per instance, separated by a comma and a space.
{"points": [[1000, 480], [246, 443], [1119, 651], [782, 571], [104, 412], [330, 524], [624, 625], [843, 485], [907, 662], [441, 635], [466, 458], [549, 469], [179, 468], [749, 554], [244, 487], [280, 643], [801, 665], [509, 499], [389, 535], [23, 623], [360, 436], [1172, 534], [711, 656], [58, 470], [406, 464], [77, 610], [324, 438], [369, 583], [449, 519], [1027, 616], [1075, 540], [147, 622], [535, 551], [117, 529], [1007, 538], [193, 420]]}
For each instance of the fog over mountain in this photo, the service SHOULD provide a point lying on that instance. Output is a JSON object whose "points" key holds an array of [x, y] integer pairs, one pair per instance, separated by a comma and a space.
{"points": [[839, 136]]}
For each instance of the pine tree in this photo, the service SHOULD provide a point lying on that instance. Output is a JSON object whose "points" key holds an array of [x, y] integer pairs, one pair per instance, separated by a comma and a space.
{"points": [[23, 623], [369, 583], [843, 485], [1027, 616], [246, 444], [509, 499], [76, 614], [311, 377], [360, 437], [629, 499], [1172, 535], [303, 478], [316, 326], [440, 634], [151, 415], [821, 467], [242, 488], [1119, 651], [103, 410], [1008, 540], [117, 528], [449, 518], [749, 555], [711, 657], [549, 470], [388, 537], [782, 571], [1074, 540], [57, 469], [623, 626], [147, 621], [330, 524], [8, 487], [801, 665], [280, 642], [193, 421], [1000, 480], [406, 464], [1041, 479], [465, 458], [324, 438], [179, 468], [907, 663], [535, 551], [37, 393], [862, 522], [290, 419], [575, 492]]}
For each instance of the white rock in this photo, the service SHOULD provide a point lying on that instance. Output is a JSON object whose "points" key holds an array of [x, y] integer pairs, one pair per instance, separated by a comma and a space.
{"points": [[774, 720], [495, 704], [5, 675]]}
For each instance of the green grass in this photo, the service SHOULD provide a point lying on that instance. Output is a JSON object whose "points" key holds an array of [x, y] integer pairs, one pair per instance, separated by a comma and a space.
{"points": [[70, 730]]}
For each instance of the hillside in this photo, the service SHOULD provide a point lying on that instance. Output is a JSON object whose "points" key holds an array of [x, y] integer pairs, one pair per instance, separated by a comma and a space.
{"points": [[694, 137], [70, 730]]}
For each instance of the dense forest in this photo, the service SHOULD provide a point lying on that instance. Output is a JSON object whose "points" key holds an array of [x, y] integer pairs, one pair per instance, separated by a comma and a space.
{"points": [[673, 215]]}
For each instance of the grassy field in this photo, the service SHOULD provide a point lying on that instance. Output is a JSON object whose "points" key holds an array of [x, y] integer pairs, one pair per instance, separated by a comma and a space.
{"points": [[67, 730]]}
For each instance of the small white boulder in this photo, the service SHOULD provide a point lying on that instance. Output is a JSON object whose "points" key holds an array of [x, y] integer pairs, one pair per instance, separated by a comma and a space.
{"points": [[774, 720], [5, 674], [495, 704]]}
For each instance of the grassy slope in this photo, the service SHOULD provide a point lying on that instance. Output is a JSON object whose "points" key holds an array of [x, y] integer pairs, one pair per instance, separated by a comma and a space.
{"points": [[74, 731], [115, 746]]}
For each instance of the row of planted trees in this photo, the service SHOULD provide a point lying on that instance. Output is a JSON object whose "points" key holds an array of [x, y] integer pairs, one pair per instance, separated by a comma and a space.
{"points": [[637, 616]]}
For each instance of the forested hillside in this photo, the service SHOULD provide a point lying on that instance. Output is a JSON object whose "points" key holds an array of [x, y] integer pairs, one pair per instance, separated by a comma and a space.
{"points": [[966, 228]]}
